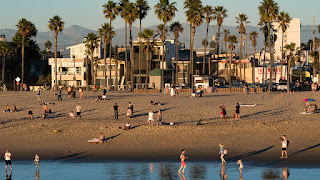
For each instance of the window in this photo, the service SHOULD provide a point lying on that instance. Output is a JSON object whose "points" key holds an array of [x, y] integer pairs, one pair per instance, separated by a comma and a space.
{"points": [[78, 70]]}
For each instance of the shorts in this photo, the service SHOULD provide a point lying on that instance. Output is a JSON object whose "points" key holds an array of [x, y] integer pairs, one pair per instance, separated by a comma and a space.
{"points": [[78, 113], [29, 112], [284, 149], [8, 162], [183, 163]]}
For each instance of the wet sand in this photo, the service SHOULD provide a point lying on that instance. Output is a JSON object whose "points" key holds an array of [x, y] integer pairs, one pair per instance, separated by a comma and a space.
{"points": [[252, 138]]}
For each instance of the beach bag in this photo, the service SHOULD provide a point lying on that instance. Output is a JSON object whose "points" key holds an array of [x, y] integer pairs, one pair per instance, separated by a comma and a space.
{"points": [[288, 143], [225, 151]]}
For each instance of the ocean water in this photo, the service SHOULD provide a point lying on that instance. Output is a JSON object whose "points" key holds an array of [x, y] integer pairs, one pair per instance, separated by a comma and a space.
{"points": [[60, 170]]}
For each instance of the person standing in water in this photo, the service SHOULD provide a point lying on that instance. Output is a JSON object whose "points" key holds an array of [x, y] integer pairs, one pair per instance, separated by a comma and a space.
{"points": [[240, 165], [36, 160], [7, 158], [183, 163], [222, 153]]}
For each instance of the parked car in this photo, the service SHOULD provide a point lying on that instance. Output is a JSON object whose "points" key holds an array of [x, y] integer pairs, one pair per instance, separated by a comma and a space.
{"points": [[283, 85]]}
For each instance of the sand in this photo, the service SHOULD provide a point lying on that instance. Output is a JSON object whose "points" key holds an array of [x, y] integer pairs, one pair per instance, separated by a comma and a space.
{"points": [[252, 138]]}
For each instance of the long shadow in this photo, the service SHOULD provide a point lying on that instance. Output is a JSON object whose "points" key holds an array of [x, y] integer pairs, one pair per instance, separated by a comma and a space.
{"points": [[56, 116], [144, 114], [78, 158], [251, 153], [298, 152], [68, 156], [112, 137]]}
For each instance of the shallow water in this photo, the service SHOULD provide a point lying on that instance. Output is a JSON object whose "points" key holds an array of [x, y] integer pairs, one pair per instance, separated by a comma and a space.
{"points": [[26, 170]]}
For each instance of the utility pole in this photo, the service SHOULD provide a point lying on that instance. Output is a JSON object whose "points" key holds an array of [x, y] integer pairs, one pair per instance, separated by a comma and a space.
{"points": [[314, 37]]}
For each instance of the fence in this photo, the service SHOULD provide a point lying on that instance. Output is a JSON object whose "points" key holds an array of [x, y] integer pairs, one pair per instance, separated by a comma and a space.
{"points": [[141, 91]]}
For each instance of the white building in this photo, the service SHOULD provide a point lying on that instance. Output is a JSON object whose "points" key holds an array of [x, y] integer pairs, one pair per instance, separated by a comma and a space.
{"points": [[292, 35]]}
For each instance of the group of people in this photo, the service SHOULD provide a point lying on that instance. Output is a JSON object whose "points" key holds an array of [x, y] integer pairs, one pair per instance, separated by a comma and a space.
{"points": [[158, 118], [223, 151], [8, 156], [223, 112], [7, 109]]}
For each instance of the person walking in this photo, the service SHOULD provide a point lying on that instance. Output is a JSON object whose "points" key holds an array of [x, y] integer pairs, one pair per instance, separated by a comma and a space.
{"points": [[159, 118], [183, 163], [78, 110], [36, 160], [59, 94], [7, 158], [116, 110], [237, 115], [130, 106], [38, 94], [222, 152], [223, 112], [284, 144]]}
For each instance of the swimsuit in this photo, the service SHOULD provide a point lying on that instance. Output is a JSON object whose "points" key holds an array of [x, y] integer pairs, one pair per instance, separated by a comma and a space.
{"points": [[183, 163]]}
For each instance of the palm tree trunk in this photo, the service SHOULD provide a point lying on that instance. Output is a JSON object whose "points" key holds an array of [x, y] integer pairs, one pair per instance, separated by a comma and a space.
{"points": [[281, 55], [191, 53], [253, 63], [192, 60], [87, 74], [105, 61], [3, 67], [55, 59], [240, 58], [264, 60], [225, 44], [131, 58], [174, 64], [93, 70], [163, 55], [22, 64], [140, 82], [126, 72], [271, 59], [288, 74], [205, 51], [116, 71], [147, 70], [110, 56], [218, 46], [230, 82]]}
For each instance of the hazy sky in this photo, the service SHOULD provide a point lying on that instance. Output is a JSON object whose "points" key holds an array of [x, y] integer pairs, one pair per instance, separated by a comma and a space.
{"points": [[88, 13]]}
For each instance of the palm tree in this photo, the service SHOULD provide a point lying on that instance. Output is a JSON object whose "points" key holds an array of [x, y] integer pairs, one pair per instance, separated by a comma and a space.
{"points": [[117, 59], [226, 34], [232, 40], [241, 19], [105, 31], [26, 29], [56, 24], [91, 42], [165, 11], [219, 14], [142, 8], [253, 37], [208, 17], [176, 28], [290, 48], [148, 36], [268, 10], [48, 45], [122, 11], [284, 20], [110, 11], [5, 50], [195, 17], [130, 15]]}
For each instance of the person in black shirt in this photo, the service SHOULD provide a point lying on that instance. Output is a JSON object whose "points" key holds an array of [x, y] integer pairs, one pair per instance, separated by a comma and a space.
{"points": [[237, 111], [116, 110]]}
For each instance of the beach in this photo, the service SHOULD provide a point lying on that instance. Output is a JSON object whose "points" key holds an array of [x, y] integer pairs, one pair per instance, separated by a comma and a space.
{"points": [[255, 137]]}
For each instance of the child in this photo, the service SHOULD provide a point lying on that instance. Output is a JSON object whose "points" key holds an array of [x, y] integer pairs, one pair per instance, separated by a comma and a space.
{"points": [[71, 115], [183, 163], [241, 165], [150, 118], [29, 114], [36, 160]]}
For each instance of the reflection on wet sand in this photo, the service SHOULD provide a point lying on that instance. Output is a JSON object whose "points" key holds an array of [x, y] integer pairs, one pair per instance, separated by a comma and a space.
{"points": [[198, 172], [37, 174], [8, 177], [182, 176], [223, 174], [285, 173]]}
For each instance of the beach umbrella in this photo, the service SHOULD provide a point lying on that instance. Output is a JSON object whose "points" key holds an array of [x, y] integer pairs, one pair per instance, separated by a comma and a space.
{"points": [[308, 100]]}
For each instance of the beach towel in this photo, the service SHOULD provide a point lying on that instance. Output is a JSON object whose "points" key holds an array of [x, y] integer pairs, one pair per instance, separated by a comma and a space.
{"points": [[248, 105], [306, 113], [94, 140]]}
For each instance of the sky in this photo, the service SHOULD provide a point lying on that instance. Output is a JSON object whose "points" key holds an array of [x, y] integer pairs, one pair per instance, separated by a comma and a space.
{"points": [[88, 13]]}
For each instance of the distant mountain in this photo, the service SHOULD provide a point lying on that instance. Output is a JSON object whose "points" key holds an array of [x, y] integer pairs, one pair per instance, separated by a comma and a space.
{"points": [[68, 35]]}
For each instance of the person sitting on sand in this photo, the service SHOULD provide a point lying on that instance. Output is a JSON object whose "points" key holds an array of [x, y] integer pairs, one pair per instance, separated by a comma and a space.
{"points": [[7, 109], [314, 109], [239, 162], [127, 126], [128, 113], [81, 93], [103, 97], [150, 118], [99, 97], [131, 107], [157, 103], [102, 138], [29, 114], [14, 108], [159, 118], [71, 115], [182, 159], [45, 110]]}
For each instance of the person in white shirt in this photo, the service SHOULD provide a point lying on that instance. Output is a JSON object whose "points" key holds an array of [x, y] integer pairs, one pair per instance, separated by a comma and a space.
{"points": [[284, 145], [7, 158], [78, 110], [150, 118]]}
